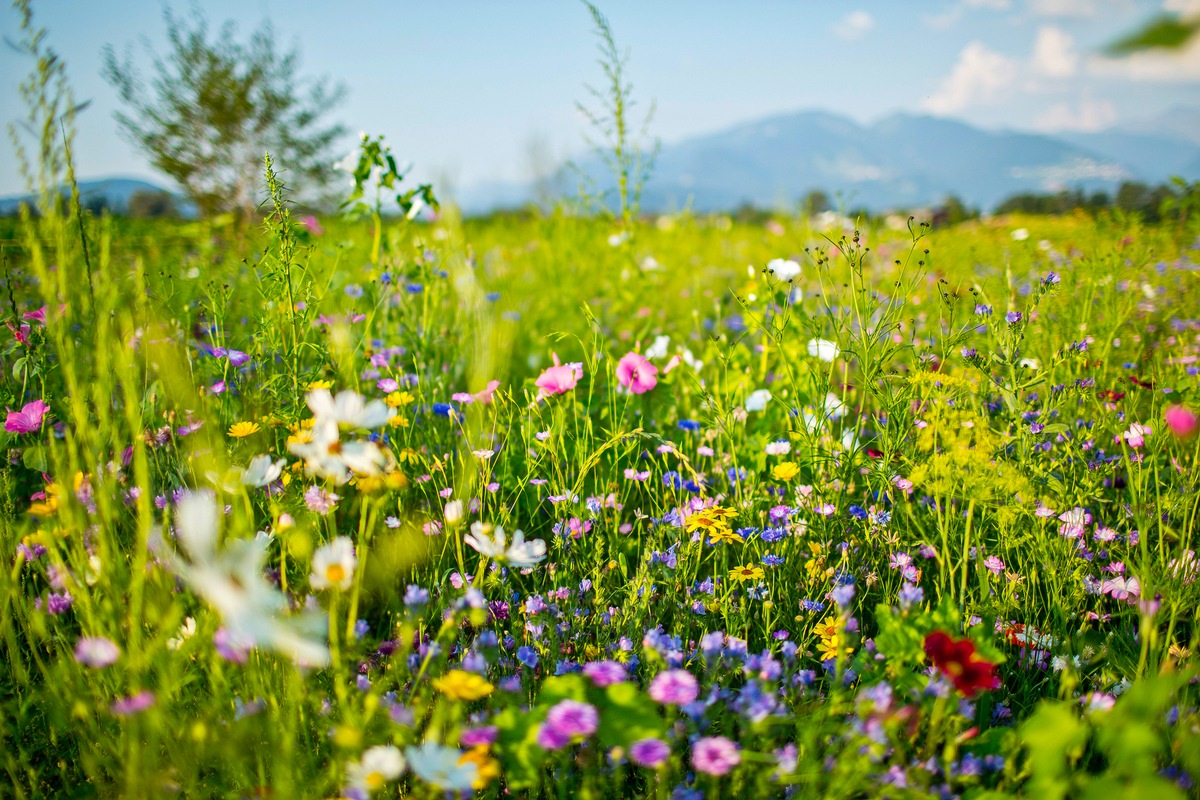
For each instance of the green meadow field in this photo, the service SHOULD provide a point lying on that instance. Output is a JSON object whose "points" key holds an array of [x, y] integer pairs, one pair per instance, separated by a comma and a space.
{"points": [[548, 506]]}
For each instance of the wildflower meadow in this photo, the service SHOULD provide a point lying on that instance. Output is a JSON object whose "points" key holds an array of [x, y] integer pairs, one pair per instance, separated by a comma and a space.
{"points": [[577, 505]]}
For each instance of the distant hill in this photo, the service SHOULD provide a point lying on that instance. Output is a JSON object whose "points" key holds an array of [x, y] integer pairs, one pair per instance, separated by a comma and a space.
{"points": [[112, 193], [901, 161]]}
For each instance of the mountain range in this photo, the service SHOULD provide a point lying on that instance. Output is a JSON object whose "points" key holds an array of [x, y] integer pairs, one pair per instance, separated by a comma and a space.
{"points": [[902, 161]]}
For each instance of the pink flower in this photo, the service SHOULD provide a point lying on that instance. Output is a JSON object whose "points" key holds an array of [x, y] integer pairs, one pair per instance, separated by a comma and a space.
{"points": [[636, 373], [36, 316], [559, 379], [28, 419], [715, 755], [1181, 421], [674, 687], [312, 225], [20, 334], [1136, 435], [485, 397]]}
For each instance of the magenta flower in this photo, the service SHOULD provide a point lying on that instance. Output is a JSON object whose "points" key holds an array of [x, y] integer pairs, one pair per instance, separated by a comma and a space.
{"points": [[674, 687], [605, 673], [96, 652], [994, 565], [652, 753], [134, 704], [636, 373], [715, 755], [36, 316], [1182, 421], [570, 718], [559, 379], [28, 419]]}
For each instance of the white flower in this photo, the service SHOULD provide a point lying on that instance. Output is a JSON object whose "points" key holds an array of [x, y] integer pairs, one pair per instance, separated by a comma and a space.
{"points": [[263, 470], [232, 582], [780, 448], [186, 631], [491, 542], [327, 456], [833, 407], [453, 512], [784, 269], [442, 767], [823, 349], [377, 766], [348, 409], [692, 361], [333, 565], [1031, 363], [1020, 234], [757, 401], [659, 348]]}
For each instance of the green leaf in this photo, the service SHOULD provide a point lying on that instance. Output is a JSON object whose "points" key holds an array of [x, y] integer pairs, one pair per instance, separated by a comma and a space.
{"points": [[35, 458], [627, 715]]}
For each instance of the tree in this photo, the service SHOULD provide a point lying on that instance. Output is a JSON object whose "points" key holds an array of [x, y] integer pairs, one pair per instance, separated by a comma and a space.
{"points": [[145, 204], [216, 105]]}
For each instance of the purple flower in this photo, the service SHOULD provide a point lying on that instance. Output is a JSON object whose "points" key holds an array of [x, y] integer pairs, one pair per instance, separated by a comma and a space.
{"points": [[674, 687], [605, 673], [134, 704], [552, 738], [652, 753], [474, 737], [96, 652], [572, 718], [715, 755], [1012, 317], [232, 647], [994, 564]]}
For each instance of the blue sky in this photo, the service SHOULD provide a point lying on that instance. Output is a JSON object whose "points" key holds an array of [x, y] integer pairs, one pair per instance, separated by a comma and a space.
{"points": [[462, 87]]}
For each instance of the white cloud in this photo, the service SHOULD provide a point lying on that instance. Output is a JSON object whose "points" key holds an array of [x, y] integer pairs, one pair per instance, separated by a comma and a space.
{"points": [[1054, 53], [1089, 116], [948, 18], [1080, 9], [1152, 66], [977, 77], [1184, 8], [855, 25]]}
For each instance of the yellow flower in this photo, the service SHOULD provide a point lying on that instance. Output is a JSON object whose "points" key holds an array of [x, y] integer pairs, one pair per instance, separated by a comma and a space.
{"points": [[828, 628], [486, 768], [396, 399], [785, 471], [831, 647], [240, 430], [721, 512], [398, 421], [458, 684], [320, 385], [746, 573], [723, 535]]}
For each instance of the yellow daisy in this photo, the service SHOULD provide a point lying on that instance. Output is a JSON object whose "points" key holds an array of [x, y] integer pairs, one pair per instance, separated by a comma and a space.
{"points": [[240, 430], [745, 573]]}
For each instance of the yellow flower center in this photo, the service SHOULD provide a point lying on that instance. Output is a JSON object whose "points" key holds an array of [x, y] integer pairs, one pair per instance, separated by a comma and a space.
{"points": [[335, 573], [374, 780]]}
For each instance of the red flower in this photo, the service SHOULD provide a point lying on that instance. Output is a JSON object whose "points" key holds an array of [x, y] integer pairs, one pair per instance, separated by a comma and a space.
{"points": [[959, 662]]}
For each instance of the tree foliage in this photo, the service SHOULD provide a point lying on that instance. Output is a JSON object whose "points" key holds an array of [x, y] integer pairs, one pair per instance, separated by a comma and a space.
{"points": [[213, 105]]}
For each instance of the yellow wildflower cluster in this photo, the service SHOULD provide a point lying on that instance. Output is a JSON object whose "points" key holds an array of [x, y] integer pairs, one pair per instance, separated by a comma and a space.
{"points": [[713, 522], [832, 639], [459, 684]]}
